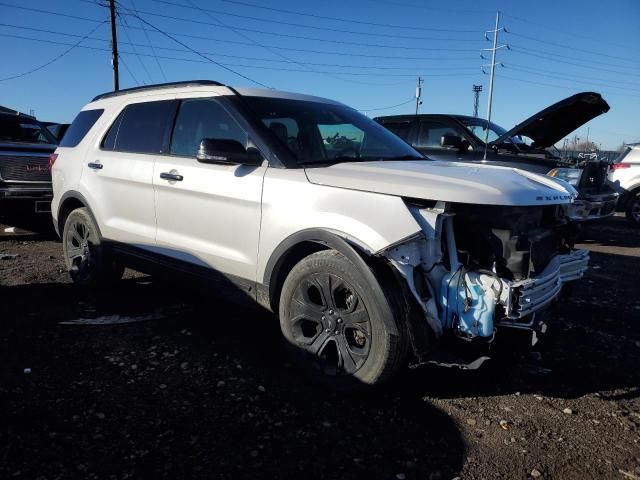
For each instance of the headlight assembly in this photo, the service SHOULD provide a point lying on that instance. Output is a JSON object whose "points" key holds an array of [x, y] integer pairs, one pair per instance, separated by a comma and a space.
{"points": [[569, 175]]}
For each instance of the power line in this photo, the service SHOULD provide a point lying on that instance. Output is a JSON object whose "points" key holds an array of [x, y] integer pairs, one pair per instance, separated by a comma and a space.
{"points": [[534, 72], [126, 32], [259, 67], [563, 31], [574, 58], [126, 67], [431, 8], [56, 58], [200, 54], [146, 34], [565, 87], [411, 100], [199, 37], [49, 12], [566, 47], [578, 77], [347, 20], [298, 37], [548, 57], [320, 64], [314, 27]]}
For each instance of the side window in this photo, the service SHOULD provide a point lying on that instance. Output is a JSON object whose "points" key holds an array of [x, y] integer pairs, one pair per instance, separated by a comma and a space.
{"points": [[401, 129], [431, 132], [80, 127], [203, 118], [139, 128]]}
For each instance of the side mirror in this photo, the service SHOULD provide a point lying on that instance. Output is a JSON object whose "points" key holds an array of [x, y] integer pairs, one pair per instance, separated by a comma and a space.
{"points": [[452, 141], [229, 152]]}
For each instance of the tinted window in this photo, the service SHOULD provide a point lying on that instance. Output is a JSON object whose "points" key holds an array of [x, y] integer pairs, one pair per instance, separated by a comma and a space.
{"points": [[318, 132], [80, 127], [399, 128], [202, 118], [15, 128], [141, 128], [109, 141], [430, 134]]}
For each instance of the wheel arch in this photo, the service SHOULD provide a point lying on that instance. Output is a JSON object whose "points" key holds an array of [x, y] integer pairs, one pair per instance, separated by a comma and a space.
{"points": [[301, 244], [69, 202]]}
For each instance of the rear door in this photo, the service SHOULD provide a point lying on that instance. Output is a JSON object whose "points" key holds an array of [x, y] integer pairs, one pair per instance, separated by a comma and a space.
{"points": [[118, 176], [210, 217]]}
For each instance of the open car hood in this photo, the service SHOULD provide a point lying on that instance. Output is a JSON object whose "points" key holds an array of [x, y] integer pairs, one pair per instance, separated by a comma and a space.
{"points": [[552, 124], [446, 181]]}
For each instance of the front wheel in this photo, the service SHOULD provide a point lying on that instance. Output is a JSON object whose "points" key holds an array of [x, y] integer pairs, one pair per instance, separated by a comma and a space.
{"points": [[633, 209], [331, 318], [89, 263]]}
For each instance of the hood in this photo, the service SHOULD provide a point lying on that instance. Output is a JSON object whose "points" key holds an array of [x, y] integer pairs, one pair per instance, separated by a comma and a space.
{"points": [[552, 124], [35, 148], [446, 181]]}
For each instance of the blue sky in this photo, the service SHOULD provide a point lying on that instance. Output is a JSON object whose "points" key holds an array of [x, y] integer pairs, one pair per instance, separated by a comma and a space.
{"points": [[557, 48]]}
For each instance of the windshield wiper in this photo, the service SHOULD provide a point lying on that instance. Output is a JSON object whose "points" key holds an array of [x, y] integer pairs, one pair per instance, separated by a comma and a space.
{"points": [[404, 157]]}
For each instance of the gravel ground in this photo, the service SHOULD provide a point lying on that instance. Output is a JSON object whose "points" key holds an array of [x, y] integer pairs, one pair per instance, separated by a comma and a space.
{"points": [[190, 387]]}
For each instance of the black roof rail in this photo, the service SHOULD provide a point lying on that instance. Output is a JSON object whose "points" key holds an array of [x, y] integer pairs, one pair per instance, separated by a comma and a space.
{"points": [[159, 86]]}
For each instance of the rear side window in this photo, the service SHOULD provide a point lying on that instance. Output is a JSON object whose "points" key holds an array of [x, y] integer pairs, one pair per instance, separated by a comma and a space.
{"points": [[80, 127], [139, 128], [399, 128]]}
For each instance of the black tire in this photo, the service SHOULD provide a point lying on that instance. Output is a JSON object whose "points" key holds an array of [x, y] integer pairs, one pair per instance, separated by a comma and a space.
{"points": [[90, 264], [341, 329], [633, 209]]}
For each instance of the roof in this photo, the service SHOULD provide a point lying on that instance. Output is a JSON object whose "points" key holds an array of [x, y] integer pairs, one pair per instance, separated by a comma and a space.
{"points": [[247, 92]]}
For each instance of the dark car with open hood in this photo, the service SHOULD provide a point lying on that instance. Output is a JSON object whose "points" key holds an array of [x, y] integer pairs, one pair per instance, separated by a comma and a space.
{"points": [[25, 177], [527, 146]]}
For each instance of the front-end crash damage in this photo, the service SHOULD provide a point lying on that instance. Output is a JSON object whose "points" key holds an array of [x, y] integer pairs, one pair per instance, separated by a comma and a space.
{"points": [[475, 270]]}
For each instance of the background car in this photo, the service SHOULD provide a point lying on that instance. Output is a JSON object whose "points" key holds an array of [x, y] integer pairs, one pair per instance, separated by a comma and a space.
{"points": [[527, 146], [25, 177], [625, 175]]}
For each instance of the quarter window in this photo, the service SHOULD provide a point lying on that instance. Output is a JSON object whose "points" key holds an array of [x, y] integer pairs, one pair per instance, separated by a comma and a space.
{"points": [[203, 118], [139, 128], [80, 127], [430, 133]]}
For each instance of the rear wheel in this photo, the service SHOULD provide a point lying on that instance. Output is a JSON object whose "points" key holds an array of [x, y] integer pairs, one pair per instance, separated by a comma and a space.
{"points": [[633, 209], [89, 263], [331, 318]]}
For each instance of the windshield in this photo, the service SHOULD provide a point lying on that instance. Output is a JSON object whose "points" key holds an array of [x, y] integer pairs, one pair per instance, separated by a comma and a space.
{"points": [[23, 130], [477, 127], [315, 132]]}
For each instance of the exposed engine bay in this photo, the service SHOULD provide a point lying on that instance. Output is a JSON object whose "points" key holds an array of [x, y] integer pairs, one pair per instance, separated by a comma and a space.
{"points": [[477, 268]]}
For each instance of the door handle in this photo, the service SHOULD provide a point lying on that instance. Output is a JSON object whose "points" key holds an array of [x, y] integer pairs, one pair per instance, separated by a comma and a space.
{"points": [[174, 177], [95, 165]]}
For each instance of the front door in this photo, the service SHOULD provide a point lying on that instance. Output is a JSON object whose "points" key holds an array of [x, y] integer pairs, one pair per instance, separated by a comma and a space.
{"points": [[208, 214]]}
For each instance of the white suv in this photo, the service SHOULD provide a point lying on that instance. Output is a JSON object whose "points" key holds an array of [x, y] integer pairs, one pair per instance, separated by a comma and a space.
{"points": [[370, 254], [625, 175]]}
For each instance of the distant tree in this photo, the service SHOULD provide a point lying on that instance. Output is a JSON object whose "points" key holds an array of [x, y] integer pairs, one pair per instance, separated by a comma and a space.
{"points": [[585, 146]]}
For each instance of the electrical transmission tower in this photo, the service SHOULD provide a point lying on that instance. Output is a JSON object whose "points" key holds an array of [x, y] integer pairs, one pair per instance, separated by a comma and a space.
{"points": [[476, 96], [493, 64]]}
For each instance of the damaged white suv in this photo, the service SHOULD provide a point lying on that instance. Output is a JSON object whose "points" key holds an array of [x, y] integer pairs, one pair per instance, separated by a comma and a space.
{"points": [[371, 255]]}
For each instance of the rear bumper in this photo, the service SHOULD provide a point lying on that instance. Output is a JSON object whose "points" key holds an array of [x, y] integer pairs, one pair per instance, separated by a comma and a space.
{"points": [[20, 200], [593, 207], [24, 191]]}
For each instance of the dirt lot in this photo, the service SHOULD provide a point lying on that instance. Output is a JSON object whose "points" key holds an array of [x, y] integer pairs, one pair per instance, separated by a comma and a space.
{"points": [[196, 388]]}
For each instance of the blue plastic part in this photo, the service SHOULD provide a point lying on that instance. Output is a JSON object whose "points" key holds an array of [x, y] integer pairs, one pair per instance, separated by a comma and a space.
{"points": [[477, 320]]}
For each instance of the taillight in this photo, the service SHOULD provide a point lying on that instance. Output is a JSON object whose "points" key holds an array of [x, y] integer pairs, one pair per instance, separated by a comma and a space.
{"points": [[52, 159], [618, 166]]}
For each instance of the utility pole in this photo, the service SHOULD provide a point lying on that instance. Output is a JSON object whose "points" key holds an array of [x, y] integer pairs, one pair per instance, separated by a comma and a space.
{"points": [[419, 93], [476, 94], [493, 50], [114, 46]]}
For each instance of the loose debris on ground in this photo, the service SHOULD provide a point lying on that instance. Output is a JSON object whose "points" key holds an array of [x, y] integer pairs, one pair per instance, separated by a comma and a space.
{"points": [[153, 381]]}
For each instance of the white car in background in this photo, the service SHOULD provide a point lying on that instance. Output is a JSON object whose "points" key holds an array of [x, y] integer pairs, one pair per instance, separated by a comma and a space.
{"points": [[370, 254], [625, 175]]}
